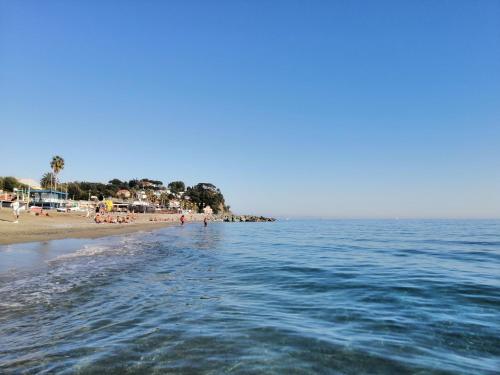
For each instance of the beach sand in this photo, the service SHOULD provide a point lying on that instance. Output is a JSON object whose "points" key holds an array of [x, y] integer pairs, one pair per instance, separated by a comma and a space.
{"points": [[73, 225]]}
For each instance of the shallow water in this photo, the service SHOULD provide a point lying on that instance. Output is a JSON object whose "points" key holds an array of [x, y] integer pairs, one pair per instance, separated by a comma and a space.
{"points": [[297, 297]]}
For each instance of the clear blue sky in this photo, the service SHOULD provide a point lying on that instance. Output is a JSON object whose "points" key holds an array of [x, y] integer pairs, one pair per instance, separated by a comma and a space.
{"points": [[319, 108]]}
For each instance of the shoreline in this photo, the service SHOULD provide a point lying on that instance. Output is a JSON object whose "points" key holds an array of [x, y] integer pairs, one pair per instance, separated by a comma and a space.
{"points": [[59, 225]]}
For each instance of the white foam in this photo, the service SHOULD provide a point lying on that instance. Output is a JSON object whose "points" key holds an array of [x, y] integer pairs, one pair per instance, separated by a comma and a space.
{"points": [[11, 305], [86, 251], [124, 246], [66, 272]]}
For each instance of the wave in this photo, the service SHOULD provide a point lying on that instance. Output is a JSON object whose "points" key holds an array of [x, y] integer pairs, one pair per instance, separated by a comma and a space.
{"points": [[65, 273]]}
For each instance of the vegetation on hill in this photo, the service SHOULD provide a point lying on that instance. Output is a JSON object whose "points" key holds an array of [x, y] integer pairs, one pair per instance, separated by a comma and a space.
{"points": [[195, 197], [177, 186], [10, 183], [206, 194]]}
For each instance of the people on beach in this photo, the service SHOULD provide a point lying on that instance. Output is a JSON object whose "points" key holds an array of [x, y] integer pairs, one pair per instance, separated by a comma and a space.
{"points": [[110, 219], [41, 213], [163, 219], [15, 209]]}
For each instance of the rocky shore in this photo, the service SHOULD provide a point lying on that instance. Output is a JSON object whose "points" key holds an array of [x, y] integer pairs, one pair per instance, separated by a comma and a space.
{"points": [[246, 218]]}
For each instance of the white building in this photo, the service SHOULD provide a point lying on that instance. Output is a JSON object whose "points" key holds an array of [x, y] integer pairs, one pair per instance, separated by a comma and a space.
{"points": [[174, 203]]}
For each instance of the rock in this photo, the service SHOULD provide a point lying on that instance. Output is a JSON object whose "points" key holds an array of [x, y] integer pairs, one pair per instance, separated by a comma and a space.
{"points": [[247, 218]]}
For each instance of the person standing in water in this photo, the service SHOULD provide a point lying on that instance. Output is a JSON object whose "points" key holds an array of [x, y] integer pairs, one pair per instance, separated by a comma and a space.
{"points": [[15, 209], [205, 222], [183, 219]]}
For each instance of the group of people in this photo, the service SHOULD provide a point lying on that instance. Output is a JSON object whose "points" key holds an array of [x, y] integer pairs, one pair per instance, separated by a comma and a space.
{"points": [[182, 219], [103, 218], [41, 213], [155, 218]]}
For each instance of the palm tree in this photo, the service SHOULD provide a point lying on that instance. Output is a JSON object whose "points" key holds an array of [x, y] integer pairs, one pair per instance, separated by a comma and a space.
{"points": [[151, 197], [164, 199], [57, 165], [46, 180]]}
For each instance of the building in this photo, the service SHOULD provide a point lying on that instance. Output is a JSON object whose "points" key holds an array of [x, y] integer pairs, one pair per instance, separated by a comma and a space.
{"points": [[141, 195], [5, 198], [48, 198], [208, 210], [174, 204], [123, 193]]}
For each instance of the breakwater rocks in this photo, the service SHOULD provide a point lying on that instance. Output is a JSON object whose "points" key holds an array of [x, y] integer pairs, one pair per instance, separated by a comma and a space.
{"points": [[246, 218]]}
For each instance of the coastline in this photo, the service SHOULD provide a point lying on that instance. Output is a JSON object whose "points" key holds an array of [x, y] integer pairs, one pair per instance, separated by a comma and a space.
{"points": [[75, 225]]}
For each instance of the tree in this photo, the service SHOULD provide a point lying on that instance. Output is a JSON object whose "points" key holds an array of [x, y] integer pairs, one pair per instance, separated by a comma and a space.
{"points": [[57, 165], [115, 182], [47, 180], [10, 183], [75, 191], [164, 199], [177, 186], [206, 194], [151, 197]]}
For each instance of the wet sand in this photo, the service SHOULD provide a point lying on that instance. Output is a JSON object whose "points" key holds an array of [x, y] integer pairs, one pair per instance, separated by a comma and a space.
{"points": [[74, 225]]}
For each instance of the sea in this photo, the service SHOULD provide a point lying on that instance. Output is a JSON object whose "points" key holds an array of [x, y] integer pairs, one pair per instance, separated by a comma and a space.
{"points": [[290, 297]]}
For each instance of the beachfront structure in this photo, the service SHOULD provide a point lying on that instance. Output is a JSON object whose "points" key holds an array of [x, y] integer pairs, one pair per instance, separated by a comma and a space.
{"points": [[141, 206], [174, 204], [123, 193], [48, 198], [141, 194], [5, 198], [208, 210]]}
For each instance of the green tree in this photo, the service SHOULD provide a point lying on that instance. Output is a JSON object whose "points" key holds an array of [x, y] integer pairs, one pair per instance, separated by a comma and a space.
{"points": [[75, 192], [164, 199], [47, 180], [177, 186], [151, 197], [206, 194], [10, 183], [57, 165], [116, 182]]}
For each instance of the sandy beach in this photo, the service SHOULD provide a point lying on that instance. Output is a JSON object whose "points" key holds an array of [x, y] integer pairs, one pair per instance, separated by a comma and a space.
{"points": [[74, 225]]}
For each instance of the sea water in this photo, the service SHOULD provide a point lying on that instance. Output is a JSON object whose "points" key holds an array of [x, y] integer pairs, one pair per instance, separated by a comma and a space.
{"points": [[302, 297]]}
